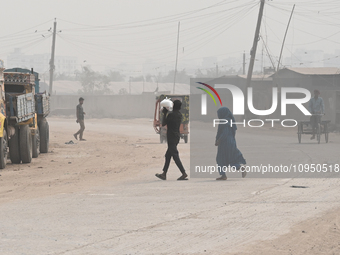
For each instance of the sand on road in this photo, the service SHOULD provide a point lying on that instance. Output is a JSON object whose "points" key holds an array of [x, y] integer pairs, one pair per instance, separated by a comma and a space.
{"points": [[101, 197]]}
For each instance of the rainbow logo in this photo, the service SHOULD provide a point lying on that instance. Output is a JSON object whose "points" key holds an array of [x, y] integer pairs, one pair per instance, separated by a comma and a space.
{"points": [[209, 93]]}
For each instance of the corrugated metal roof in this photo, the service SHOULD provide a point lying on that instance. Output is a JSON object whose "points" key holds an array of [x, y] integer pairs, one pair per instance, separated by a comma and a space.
{"points": [[257, 77], [315, 70]]}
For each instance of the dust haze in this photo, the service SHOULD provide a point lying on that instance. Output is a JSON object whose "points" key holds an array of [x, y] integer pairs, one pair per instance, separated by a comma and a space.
{"points": [[101, 196]]}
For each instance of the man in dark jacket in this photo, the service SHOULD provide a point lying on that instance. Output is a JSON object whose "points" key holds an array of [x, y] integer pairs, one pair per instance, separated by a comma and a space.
{"points": [[173, 121], [80, 119]]}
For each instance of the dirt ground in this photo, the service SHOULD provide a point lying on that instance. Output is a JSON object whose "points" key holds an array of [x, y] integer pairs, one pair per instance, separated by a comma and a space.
{"points": [[73, 167], [121, 156]]}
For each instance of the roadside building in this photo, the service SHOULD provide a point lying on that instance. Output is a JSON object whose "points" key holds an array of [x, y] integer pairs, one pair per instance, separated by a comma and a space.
{"points": [[325, 79]]}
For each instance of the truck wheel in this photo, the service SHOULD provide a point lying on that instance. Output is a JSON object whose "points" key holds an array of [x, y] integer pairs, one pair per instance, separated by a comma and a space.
{"points": [[44, 136], [36, 144], [14, 151], [25, 143], [3, 150]]}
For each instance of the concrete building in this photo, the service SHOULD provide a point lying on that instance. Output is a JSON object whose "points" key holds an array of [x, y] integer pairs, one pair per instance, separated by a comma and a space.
{"points": [[40, 62]]}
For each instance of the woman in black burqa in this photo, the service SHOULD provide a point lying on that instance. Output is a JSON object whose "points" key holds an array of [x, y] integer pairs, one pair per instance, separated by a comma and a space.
{"points": [[228, 155], [173, 121]]}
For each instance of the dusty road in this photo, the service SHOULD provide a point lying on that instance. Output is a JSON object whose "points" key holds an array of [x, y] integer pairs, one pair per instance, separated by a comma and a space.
{"points": [[101, 197]]}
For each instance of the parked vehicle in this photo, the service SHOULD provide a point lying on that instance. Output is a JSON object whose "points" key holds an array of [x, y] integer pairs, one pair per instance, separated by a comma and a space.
{"points": [[42, 108], [24, 128]]}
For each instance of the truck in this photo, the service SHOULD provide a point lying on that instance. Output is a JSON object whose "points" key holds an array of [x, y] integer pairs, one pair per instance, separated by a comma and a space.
{"points": [[24, 128], [42, 109]]}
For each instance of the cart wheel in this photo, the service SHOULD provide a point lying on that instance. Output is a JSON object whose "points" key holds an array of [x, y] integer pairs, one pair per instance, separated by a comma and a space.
{"points": [[299, 132], [326, 132], [318, 132]]}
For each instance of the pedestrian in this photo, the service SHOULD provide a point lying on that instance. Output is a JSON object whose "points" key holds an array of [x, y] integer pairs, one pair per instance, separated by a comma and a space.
{"points": [[173, 121], [80, 120], [228, 156], [317, 108]]}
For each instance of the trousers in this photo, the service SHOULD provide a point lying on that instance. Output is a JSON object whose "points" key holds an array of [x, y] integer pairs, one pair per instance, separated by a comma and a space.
{"points": [[81, 130], [172, 152]]}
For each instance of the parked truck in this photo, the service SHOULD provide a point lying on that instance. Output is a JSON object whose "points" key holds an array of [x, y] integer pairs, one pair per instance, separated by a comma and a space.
{"points": [[24, 128], [42, 109]]}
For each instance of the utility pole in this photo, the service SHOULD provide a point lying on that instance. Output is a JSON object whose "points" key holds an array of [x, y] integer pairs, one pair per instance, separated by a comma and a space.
{"points": [[256, 39], [244, 63], [52, 67], [179, 23], [284, 39], [216, 70], [270, 58], [253, 50], [143, 83], [262, 58]]}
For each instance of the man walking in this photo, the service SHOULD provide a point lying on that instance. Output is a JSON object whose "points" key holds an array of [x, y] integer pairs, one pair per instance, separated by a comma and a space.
{"points": [[173, 121], [80, 120], [317, 108]]}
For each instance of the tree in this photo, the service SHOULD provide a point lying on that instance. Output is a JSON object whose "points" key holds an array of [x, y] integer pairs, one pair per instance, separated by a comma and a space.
{"points": [[199, 73], [63, 76], [137, 78], [93, 82], [123, 91], [116, 76], [181, 77], [212, 72], [148, 78]]}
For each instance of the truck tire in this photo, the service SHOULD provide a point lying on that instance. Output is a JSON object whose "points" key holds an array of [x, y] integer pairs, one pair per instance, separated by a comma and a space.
{"points": [[25, 143], [14, 149], [36, 144], [3, 150], [44, 136]]}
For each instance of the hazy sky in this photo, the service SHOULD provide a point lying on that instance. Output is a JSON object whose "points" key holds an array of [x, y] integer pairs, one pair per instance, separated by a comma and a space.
{"points": [[106, 33]]}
